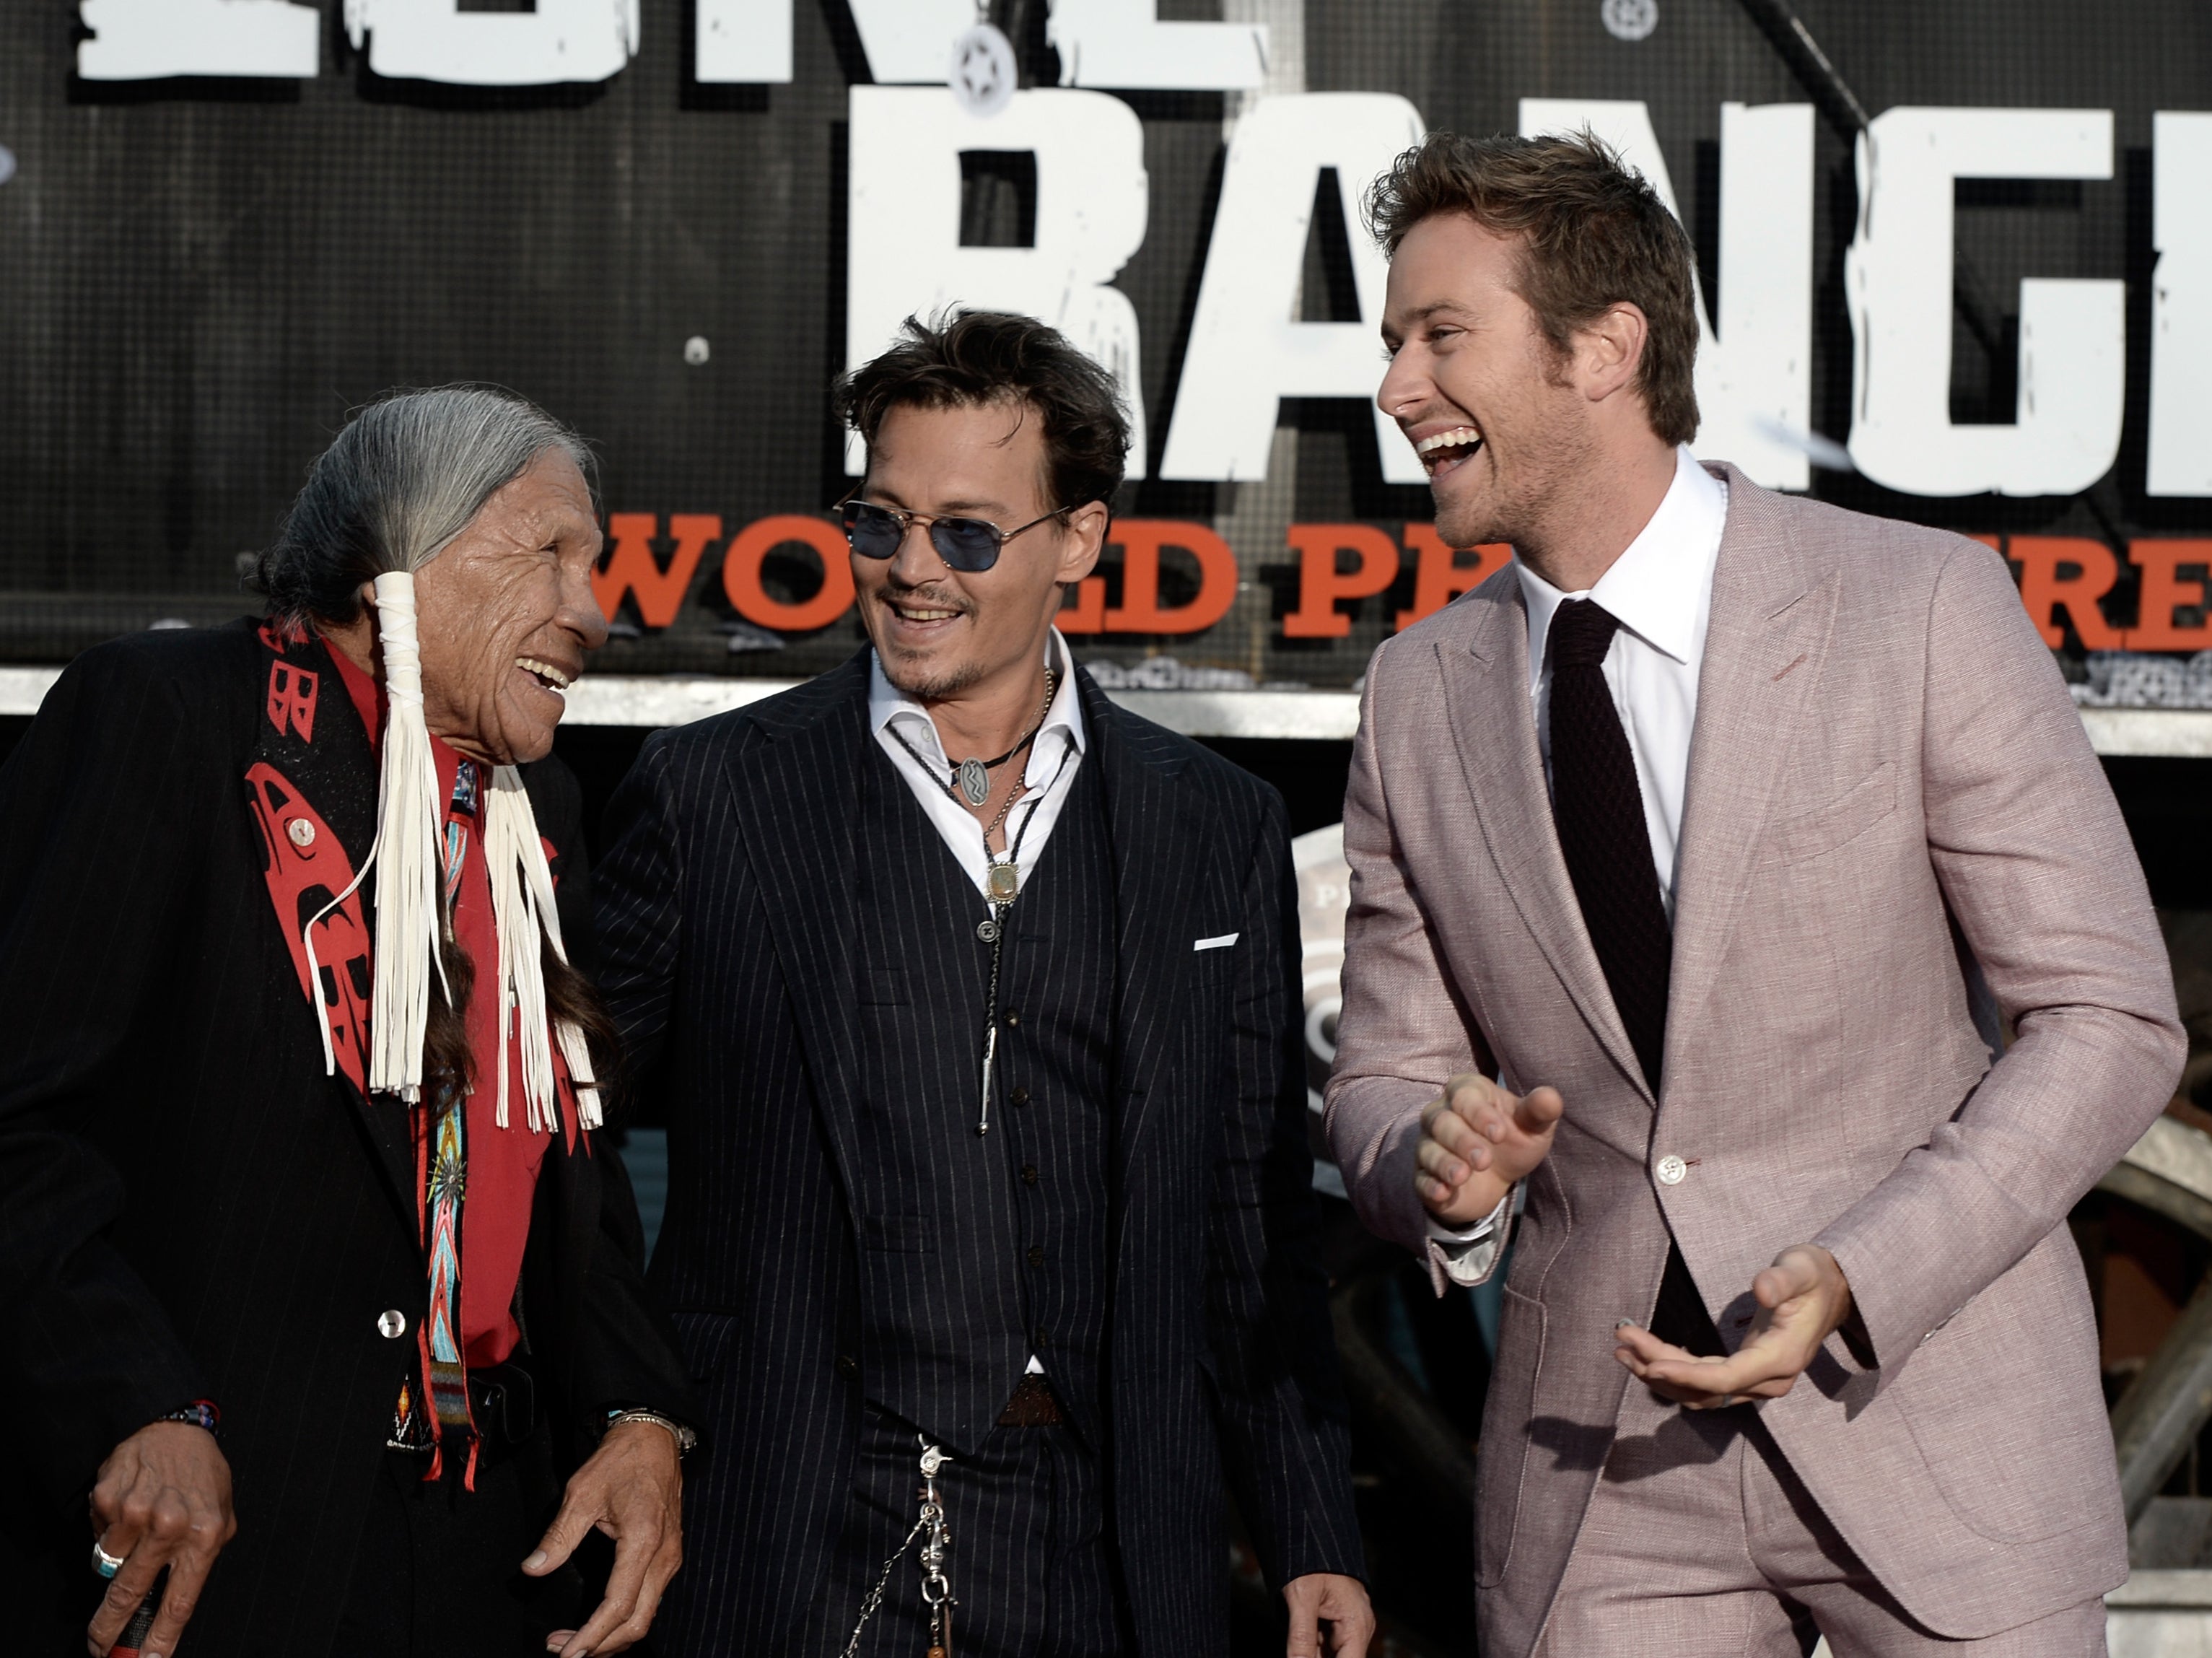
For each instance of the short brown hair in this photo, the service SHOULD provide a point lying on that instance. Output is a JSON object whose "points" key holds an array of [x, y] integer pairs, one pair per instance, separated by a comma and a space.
{"points": [[966, 358], [1593, 233]]}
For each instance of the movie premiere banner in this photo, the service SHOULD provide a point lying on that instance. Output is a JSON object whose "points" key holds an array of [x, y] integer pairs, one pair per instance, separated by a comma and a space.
{"points": [[1955, 258]]}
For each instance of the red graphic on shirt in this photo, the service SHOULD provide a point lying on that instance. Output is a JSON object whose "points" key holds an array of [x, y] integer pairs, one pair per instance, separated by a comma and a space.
{"points": [[292, 697], [306, 868]]}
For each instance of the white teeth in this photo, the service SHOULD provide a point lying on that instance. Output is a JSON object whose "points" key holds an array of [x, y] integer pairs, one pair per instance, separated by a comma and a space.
{"points": [[928, 616], [1451, 440], [544, 671]]}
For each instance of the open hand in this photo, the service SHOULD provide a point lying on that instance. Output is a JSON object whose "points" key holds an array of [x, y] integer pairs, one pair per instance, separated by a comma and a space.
{"points": [[1802, 1298], [1477, 1142], [632, 1490], [162, 1498], [1327, 1597]]}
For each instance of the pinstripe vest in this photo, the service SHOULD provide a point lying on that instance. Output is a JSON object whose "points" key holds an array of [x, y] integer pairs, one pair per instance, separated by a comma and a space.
{"points": [[979, 1250]]}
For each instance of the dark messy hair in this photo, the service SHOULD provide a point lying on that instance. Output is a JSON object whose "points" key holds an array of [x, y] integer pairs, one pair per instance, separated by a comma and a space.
{"points": [[1592, 231], [967, 358]]}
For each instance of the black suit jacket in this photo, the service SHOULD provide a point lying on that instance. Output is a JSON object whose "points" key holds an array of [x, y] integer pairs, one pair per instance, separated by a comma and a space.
{"points": [[189, 1206], [726, 916]]}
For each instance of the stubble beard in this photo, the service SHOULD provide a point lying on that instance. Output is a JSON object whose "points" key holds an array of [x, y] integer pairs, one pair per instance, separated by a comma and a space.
{"points": [[921, 677], [925, 683], [1549, 463], [1488, 518]]}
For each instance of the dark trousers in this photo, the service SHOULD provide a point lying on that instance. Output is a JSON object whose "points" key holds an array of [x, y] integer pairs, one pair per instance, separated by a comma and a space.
{"points": [[1030, 1565], [438, 1575]]}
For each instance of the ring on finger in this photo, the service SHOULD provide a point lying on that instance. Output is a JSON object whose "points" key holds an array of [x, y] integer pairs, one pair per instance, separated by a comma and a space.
{"points": [[105, 1563]]}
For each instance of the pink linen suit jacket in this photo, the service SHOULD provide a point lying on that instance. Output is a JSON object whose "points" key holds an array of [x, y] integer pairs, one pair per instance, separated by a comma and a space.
{"points": [[1892, 817]]}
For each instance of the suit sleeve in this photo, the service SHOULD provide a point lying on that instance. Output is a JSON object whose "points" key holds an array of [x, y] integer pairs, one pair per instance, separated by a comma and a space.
{"points": [[102, 805], [1282, 1417], [1401, 1034], [626, 1355], [639, 901], [624, 1348], [2037, 868]]}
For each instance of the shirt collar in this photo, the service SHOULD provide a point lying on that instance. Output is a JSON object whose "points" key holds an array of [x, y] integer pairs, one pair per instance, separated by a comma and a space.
{"points": [[1656, 588], [886, 702]]}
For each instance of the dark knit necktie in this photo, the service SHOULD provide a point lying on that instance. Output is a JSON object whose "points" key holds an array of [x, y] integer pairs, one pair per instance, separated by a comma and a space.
{"points": [[1599, 809]]}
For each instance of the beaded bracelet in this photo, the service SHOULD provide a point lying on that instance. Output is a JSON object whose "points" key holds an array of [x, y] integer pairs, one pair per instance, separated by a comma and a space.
{"points": [[200, 1413]]}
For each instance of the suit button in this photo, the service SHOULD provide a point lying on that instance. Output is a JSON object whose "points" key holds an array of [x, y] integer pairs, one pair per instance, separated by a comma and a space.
{"points": [[1028, 1174], [1017, 1095], [1013, 1021], [848, 1365], [392, 1324], [1037, 1255], [1671, 1169]]}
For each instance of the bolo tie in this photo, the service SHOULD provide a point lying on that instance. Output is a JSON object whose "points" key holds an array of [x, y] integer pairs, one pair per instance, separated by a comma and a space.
{"points": [[1002, 882]]}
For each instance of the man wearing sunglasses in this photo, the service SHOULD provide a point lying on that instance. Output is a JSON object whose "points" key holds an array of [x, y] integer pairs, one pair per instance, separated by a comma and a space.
{"points": [[972, 1002]]}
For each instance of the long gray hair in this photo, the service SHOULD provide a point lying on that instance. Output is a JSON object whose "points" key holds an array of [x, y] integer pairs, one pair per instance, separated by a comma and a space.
{"points": [[407, 475]]}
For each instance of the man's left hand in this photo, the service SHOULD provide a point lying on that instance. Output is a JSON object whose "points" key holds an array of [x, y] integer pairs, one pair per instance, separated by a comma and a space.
{"points": [[1802, 1298], [632, 1490], [1324, 1597]]}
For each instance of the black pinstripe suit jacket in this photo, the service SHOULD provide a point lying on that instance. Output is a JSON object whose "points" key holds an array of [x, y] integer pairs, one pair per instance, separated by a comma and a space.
{"points": [[727, 921]]}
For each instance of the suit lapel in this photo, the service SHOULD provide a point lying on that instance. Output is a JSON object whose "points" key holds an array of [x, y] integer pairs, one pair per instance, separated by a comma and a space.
{"points": [[1774, 611], [312, 789], [1158, 853], [1493, 723], [796, 798]]}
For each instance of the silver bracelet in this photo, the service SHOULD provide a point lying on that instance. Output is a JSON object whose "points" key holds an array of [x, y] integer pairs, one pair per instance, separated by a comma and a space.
{"points": [[685, 1439]]}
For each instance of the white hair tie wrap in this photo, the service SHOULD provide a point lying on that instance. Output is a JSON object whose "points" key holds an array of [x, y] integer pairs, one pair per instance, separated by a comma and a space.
{"points": [[408, 888]]}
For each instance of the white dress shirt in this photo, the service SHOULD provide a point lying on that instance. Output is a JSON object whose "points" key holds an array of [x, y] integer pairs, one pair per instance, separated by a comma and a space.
{"points": [[1061, 738], [1053, 759], [1660, 591]]}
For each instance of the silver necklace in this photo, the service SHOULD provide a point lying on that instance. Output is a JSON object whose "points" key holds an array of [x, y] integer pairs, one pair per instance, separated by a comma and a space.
{"points": [[970, 779]]}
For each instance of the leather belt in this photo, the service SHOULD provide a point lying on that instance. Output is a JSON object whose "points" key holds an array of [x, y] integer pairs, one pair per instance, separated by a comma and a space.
{"points": [[1034, 1405]]}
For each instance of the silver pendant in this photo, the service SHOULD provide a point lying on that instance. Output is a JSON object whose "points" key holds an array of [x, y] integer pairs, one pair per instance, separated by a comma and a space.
{"points": [[974, 782], [1002, 883]]}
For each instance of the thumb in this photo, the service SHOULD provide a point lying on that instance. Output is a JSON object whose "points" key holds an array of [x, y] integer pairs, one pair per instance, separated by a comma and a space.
{"points": [[567, 1529], [1541, 1110], [1790, 1276], [1305, 1627]]}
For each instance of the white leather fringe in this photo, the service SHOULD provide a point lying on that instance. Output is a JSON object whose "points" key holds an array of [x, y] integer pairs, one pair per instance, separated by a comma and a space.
{"points": [[410, 893], [409, 889], [522, 906]]}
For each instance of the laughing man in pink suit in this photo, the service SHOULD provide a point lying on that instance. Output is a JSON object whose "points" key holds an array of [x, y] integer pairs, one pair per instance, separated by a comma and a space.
{"points": [[1696, 857]]}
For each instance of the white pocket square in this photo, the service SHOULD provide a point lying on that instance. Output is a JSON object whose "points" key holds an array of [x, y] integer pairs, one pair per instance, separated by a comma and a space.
{"points": [[1222, 943]]}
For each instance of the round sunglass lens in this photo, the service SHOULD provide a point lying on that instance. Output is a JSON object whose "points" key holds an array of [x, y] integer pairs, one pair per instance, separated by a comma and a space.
{"points": [[873, 532], [967, 543]]}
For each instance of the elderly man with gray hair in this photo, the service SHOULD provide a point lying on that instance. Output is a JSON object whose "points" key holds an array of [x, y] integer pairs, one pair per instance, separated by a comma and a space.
{"points": [[301, 1192]]}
